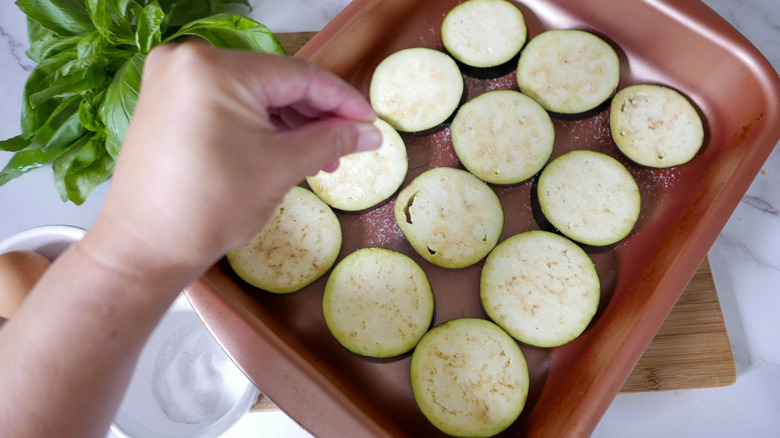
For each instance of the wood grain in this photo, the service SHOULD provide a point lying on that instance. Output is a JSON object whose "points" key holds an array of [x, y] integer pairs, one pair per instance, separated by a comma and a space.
{"points": [[690, 350], [292, 42]]}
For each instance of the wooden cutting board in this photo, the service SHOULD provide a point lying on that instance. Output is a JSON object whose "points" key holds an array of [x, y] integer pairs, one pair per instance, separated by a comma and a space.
{"points": [[691, 349]]}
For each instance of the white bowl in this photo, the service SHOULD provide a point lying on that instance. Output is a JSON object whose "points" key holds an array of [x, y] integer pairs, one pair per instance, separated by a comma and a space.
{"points": [[184, 384], [48, 240]]}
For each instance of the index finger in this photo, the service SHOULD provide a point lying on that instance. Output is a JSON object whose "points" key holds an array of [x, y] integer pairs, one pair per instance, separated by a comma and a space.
{"points": [[285, 81]]}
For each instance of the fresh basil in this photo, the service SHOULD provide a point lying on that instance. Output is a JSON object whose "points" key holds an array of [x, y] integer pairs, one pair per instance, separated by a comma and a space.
{"points": [[150, 27], [119, 102], [114, 19], [233, 32], [63, 17], [82, 168], [79, 99], [182, 12]]}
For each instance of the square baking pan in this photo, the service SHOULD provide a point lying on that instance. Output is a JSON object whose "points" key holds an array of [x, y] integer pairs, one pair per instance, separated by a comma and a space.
{"points": [[281, 341]]}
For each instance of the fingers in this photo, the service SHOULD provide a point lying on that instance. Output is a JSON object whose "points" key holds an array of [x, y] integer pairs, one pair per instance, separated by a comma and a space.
{"points": [[300, 84], [320, 144]]}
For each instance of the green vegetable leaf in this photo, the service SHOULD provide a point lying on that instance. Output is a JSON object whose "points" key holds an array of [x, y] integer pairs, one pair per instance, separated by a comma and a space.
{"points": [[91, 43], [79, 100], [232, 31], [184, 11], [62, 127], [114, 19], [45, 43], [90, 73], [15, 144], [25, 160], [150, 27], [42, 76], [79, 171], [119, 102], [88, 111], [63, 17]]}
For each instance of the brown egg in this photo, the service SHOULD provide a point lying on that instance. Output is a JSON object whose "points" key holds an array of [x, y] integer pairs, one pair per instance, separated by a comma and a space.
{"points": [[19, 271]]}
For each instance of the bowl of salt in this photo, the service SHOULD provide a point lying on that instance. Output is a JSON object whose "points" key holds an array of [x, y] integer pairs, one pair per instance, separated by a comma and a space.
{"points": [[184, 384]]}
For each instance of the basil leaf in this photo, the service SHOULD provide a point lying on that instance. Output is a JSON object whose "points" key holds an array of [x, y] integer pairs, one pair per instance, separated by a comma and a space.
{"points": [[88, 111], [62, 127], [66, 133], [33, 117], [63, 17], [15, 144], [80, 98], [86, 165], [45, 43], [91, 77], [149, 30], [119, 102], [184, 11], [114, 19], [233, 32], [91, 43], [25, 160]]}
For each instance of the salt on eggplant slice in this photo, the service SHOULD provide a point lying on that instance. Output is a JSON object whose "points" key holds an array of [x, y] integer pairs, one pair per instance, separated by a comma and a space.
{"points": [[378, 303], [484, 33], [365, 179], [298, 245], [450, 217], [590, 197], [469, 378], [503, 137], [416, 89], [540, 287], [568, 71], [655, 126]]}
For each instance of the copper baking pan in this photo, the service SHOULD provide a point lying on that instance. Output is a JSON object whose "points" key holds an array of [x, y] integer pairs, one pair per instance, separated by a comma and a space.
{"points": [[282, 342]]}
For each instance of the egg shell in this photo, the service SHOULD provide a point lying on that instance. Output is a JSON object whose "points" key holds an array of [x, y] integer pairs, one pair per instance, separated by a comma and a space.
{"points": [[19, 272]]}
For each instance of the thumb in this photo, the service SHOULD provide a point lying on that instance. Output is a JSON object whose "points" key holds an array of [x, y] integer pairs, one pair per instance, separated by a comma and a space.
{"points": [[321, 142]]}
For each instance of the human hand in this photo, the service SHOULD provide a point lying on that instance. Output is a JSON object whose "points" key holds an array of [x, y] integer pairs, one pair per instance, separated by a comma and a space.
{"points": [[217, 139]]}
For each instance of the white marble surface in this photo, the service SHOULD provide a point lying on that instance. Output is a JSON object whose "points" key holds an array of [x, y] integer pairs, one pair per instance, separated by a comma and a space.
{"points": [[745, 259]]}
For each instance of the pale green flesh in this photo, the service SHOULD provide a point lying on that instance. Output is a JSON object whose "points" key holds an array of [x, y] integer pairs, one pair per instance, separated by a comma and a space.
{"points": [[540, 287], [469, 378]]}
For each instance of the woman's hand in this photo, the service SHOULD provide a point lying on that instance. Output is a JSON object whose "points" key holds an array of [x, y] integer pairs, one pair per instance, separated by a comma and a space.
{"points": [[217, 139]]}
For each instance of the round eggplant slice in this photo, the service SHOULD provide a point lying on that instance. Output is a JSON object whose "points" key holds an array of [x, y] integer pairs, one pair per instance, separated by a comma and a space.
{"points": [[655, 126], [540, 287], [300, 242], [568, 71], [450, 217], [484, 33], [503, 137], [416, 89], [365, 179], [469, 378], [378, 303], [590, 197]]}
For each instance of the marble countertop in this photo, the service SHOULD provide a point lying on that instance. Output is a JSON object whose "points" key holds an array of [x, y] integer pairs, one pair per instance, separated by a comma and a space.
{"points": [[745, 259]]}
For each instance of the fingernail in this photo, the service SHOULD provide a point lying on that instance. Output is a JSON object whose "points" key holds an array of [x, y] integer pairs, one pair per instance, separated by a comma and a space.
{"points": [[369, 138], [331, 167]]}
